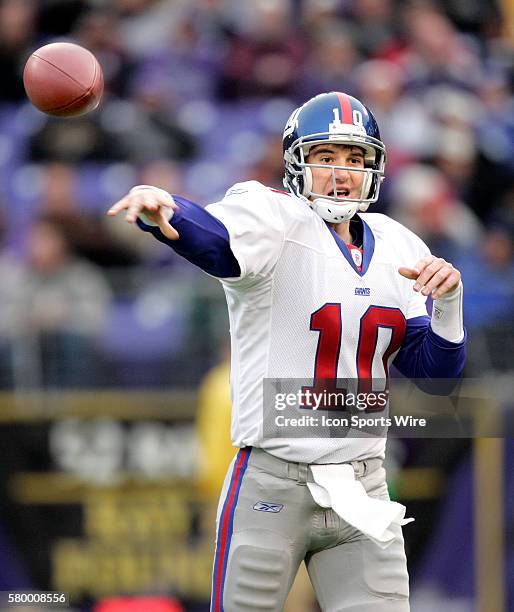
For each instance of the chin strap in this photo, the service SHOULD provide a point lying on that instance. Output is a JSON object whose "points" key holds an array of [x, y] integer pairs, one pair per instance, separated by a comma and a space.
{"points": [[334, 212], [447, 320]]}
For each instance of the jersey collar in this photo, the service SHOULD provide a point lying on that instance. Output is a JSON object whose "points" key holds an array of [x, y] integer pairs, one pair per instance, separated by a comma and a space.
{"points": [[368, 247]]}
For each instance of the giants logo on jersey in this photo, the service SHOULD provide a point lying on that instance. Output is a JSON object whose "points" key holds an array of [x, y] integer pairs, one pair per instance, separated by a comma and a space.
{"points": [[362, 291]]}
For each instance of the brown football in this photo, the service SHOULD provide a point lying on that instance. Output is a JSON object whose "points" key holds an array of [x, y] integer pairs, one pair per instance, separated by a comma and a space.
{"points": [[63, 79]]}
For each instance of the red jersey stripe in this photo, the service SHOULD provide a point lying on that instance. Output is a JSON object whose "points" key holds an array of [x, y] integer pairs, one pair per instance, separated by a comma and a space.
{"points": [[225, 529], [280, 191]]}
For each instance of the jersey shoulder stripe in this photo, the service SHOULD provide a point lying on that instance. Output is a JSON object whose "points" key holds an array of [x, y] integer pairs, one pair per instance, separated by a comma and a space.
{"points": [[280, 191]]}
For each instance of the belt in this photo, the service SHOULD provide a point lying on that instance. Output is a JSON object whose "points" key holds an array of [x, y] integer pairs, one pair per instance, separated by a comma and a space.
{"points": [[301, 471]]}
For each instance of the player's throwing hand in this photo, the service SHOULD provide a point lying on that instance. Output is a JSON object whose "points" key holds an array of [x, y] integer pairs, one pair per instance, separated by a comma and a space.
{"points": [[155, 205], [433, 275]]}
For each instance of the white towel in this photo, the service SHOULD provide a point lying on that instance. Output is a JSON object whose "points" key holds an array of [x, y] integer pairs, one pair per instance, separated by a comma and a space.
{"points": [[335, 487]]}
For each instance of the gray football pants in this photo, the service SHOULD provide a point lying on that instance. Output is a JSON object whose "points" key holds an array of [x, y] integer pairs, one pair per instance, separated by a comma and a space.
{"points": [[268, 523]]}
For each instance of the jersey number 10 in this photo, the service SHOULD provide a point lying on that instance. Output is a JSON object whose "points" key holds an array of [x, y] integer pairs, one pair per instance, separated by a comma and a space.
{"points": [[328, 321]]}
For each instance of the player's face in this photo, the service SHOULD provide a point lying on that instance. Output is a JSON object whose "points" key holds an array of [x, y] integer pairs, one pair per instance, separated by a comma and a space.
{"points": [[348, 183]]}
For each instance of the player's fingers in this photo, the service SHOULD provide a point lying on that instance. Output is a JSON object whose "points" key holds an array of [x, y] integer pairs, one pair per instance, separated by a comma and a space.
{"points": [[169, 204], [413, 273], [168, 230], [449, 284], [119, 206], [437, 280], [141, 202], [147, 201], [423, 263], [410, 273], [150, 204], [133, 211], [157, 196], [428, 272], [162, 219]]}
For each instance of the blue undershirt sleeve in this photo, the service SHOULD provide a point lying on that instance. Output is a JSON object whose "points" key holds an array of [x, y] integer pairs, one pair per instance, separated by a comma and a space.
{"points": [[204, 240], [425, 355]]}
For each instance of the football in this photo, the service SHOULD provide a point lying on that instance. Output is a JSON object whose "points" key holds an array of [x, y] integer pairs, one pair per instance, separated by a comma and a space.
{"points": [[63, 79]]}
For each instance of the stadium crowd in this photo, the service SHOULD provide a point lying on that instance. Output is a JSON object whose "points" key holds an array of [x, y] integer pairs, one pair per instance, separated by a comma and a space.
{"points": [[196, 97]]}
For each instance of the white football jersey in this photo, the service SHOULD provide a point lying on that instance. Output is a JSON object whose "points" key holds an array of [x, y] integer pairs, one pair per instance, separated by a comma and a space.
{"points": [[301, 309]]}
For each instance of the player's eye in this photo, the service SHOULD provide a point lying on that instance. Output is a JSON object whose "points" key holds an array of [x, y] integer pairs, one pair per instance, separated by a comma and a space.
{"points": [[325, 159]]}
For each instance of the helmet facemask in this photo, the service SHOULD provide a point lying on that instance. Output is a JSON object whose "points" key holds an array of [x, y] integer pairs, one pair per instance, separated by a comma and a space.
{"points": [[336, 208]]}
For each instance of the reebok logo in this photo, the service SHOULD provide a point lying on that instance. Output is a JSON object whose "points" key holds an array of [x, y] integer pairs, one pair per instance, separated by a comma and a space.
{"points": [[261, 506], [438, 313]]}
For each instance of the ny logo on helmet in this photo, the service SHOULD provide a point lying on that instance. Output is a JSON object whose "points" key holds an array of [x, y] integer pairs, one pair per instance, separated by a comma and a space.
{"points": [[292, 122]]}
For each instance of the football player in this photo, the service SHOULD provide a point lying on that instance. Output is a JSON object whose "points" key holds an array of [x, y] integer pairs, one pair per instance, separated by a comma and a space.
{"points": [[317, 288]]}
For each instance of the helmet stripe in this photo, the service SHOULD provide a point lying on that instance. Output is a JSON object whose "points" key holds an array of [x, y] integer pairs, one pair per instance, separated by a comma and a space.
{"points": [[346, 108]]}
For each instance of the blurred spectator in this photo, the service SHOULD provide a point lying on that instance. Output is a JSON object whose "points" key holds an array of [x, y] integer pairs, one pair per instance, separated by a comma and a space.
{"points": [[492, 184], [148, 25], [17, 29], [87, 234], [58, 17], [60, 312], [99, 31], [316, 14], [406, 127], [489, 275], [11, 278], [263, 60], [430, 39], [455, 157], [330, 63], [422, 199], [375, 24], [213, 430], [82, 139], [146, 127], [163, 173], [269, 170], [185, 68], [475, 17], [137, 131], [454, 113]]}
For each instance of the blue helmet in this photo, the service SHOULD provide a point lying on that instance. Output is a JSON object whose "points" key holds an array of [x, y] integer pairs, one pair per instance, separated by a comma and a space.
{"points": [[340, 119]]}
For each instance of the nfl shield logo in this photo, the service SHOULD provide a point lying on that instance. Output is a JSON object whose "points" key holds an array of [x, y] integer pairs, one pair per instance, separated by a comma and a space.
{"points": [[357, 257]]}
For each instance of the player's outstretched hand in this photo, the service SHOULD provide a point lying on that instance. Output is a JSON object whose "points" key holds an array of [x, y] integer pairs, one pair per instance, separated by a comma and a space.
{"points": [[433, 275], [156, 204]]}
